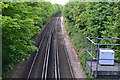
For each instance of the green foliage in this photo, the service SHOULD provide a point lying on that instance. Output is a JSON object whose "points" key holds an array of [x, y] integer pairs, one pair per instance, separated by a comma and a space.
{"points": [[76, 20], [95, 19], [20, 22]]}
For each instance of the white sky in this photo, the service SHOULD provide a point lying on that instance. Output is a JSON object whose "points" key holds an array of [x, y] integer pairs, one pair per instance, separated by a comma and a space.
{"points": [[63, 2]]}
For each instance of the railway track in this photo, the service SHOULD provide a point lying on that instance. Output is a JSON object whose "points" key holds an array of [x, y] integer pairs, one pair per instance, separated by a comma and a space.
{"points": [[51, 60]]}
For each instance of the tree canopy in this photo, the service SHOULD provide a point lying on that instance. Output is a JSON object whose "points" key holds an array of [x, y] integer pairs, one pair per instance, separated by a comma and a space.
{"points": [[20, 22]]}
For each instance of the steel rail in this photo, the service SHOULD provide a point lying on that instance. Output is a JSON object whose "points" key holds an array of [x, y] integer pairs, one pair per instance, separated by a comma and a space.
{"points": [[67, 56], [55, 54], [34, 60], [31, 68], [57, 68], [91, 41], [69, 63], [104, 38], [45, 65], [46, 35]]}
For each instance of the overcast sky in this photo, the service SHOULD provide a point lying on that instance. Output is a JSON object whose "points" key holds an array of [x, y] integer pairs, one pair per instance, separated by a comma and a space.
{"points": [[58, 1]]}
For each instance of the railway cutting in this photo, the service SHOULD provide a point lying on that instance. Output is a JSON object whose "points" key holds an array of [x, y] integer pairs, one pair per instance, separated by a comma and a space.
{"points": [[51, 60]]}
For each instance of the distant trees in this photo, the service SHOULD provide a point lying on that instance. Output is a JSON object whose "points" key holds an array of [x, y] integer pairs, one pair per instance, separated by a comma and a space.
{"points": [[20, 22]]}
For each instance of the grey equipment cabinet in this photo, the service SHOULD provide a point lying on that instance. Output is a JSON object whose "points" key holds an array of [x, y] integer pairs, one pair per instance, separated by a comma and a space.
{"points": [[106, 56]]}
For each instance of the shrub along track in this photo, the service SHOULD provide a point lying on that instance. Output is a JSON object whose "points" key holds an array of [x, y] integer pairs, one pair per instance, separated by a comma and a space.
{"points": [[50, 61]]}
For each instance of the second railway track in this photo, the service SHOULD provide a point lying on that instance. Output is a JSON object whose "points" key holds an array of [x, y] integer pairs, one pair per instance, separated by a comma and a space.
{"points": [[51, 61]]}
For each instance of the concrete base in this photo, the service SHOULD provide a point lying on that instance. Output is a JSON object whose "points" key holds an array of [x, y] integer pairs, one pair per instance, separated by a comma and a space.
{"points": [[102, 69]]}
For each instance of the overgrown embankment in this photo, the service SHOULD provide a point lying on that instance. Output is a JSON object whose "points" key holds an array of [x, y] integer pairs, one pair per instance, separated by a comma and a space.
{"points": [[94, 19], [20, 22]]}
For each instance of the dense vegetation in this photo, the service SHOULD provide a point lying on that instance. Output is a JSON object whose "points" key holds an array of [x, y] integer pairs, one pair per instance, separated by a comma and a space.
{"points": [[20, 22], [94, 19]]}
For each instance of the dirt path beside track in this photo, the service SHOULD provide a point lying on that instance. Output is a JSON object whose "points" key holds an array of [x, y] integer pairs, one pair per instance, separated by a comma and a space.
{"points": [[74, 59]]}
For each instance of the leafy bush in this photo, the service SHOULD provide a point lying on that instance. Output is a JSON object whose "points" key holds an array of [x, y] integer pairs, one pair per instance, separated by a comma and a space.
{"points": [[94, 19]]}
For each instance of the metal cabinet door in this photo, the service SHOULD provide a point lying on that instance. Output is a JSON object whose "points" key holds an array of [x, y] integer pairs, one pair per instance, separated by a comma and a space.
{"points": [[106, 55]]}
